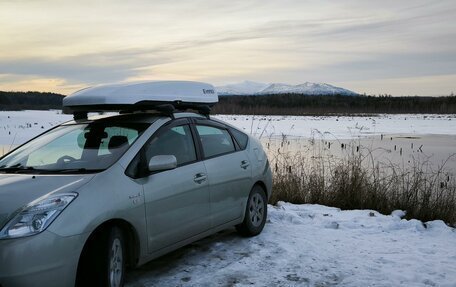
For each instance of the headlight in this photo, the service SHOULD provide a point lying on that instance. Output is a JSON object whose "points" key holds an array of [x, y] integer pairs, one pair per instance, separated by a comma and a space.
{"points": [[36, 216]]}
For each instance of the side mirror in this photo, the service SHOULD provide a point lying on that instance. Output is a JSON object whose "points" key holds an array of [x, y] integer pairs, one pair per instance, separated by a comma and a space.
{"points": [[162, 162]]}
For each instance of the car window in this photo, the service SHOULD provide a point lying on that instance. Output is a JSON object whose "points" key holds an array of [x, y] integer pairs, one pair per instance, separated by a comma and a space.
{"points": [[86, 146], [65, 145], [177, 141], [241, 138], [215, 141], [116, 135]]}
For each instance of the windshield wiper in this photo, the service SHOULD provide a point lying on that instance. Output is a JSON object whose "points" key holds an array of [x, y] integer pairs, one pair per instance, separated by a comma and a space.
{"points": [[75, 170], [16, 168], [11, 166]]}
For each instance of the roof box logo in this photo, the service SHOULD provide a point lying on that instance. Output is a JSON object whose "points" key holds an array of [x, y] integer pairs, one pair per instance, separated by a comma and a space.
{"points": [[211, 92]]}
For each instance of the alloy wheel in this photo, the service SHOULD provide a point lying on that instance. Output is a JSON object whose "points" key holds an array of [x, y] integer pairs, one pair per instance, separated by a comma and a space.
{"points": [[256, 209], [116, 263]]}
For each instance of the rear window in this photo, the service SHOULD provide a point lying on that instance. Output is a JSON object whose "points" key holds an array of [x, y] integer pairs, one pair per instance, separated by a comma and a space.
{"points": [[241, 138], [215, 141]]}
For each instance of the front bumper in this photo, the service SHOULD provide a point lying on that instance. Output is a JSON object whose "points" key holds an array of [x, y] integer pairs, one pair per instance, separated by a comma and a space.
{"points": [[45, 259]]}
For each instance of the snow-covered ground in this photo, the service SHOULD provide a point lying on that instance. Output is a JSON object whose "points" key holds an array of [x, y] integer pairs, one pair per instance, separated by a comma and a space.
{"points": [[16, 127], [313, 245], [343, 127]]}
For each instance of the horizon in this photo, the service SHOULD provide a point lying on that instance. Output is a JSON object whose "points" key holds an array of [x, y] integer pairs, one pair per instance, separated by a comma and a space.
{"points": [[404, 48], [254, 94], [236, 87]]}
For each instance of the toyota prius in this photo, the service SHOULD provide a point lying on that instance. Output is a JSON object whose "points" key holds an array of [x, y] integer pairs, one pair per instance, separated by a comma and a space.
{"points": [[84, 201]]}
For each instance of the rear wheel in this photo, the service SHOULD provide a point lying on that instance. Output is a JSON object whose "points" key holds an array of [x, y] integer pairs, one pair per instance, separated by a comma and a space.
{"points": [[255, 213]]}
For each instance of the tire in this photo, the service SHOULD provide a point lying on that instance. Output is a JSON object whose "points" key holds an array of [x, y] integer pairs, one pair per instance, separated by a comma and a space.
{"points": [[256, 212], [103, 263], [116, 259]]}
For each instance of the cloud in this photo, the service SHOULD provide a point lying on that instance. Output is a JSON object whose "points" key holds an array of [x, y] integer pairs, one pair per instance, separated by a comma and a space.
{"points": [[89, 68], [381, 66], [65, 69], [86, 42], [439, 85]]}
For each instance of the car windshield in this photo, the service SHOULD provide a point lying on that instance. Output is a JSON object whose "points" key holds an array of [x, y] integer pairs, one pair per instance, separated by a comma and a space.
{"points": [[79, 148]]}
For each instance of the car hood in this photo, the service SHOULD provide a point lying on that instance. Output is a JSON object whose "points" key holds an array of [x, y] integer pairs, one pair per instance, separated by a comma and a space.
{"points": [[18, 190]]}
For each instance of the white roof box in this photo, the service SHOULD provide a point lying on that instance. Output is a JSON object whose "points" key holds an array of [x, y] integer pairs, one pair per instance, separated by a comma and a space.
{"points": [[141, 96]]}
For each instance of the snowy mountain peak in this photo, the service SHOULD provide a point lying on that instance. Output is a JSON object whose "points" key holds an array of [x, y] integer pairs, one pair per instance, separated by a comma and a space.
{"points": [[242, 88], [307, 88]]}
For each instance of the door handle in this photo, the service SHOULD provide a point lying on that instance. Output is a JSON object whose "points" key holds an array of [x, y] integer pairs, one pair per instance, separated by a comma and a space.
{"points": [[199, 178], [245, 164]]}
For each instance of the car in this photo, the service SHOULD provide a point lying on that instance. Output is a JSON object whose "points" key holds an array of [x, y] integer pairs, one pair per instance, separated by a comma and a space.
{"points": [[91, 197]]}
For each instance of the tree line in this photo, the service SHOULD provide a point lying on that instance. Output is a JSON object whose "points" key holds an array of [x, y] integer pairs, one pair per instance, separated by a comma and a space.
{"points": [[30, 101], [283, 104], [294, 104]]}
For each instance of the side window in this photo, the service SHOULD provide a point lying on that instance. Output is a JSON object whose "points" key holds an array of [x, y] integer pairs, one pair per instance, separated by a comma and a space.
{"points": [[215, 141], [176, 141], [241, 138]]}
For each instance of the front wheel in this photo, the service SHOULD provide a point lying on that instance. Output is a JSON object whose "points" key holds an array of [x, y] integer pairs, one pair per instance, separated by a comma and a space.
{"points": [[103, 260], [116, 258], [255, 213]]}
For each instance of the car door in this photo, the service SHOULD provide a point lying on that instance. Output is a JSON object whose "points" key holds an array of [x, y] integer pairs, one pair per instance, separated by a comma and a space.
{"points": [[229, 171], [177, 201]]}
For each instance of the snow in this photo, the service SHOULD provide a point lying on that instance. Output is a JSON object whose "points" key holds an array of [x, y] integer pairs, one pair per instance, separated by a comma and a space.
{"points": [[17, 127], [343, 127], [243, 88], [398, 213], [254, 88], [314, 245], [306, 89]]}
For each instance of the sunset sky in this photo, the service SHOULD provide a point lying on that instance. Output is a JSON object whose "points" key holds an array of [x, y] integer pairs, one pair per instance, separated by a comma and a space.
{"points": [[375, 47]]}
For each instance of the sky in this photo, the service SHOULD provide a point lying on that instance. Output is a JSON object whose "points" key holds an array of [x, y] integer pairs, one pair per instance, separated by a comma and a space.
{"points": [[405, 47]]}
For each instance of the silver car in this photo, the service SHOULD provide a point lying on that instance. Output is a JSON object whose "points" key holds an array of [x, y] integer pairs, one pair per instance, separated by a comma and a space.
{"points": [[91, 197]]}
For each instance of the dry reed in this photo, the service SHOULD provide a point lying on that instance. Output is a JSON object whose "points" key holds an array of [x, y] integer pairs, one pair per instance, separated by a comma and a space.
{"points": [[358, 181]]}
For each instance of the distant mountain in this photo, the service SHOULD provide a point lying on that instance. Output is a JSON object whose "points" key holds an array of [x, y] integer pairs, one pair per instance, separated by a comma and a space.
{"points": [[242, 88], [306, 89], [254, 88]]}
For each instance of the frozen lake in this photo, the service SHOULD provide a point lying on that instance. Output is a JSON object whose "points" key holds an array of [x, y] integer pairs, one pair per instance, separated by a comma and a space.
{"points": [[400, 139], [436, 151], [342, 127]]}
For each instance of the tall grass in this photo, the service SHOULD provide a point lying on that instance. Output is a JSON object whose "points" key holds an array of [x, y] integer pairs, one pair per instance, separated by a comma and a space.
{"points": [[358, 181]]}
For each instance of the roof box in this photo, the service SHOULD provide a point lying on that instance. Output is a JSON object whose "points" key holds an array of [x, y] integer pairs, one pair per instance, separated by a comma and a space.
{"points": [[141, 96]]}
